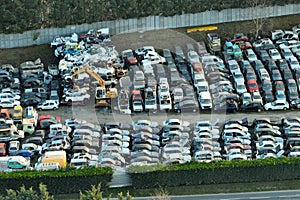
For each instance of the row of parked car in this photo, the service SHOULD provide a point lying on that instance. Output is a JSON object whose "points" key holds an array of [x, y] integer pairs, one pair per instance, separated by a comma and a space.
{"points": [[30, 84], [247, 76], [265, 72], [79, 143]]}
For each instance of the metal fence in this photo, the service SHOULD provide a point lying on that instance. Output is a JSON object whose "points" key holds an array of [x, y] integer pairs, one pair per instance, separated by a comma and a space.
{"points": [[44, 36]]}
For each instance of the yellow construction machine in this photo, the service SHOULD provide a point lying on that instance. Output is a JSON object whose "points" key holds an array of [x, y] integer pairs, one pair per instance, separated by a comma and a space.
{"points": [[103, 94]]}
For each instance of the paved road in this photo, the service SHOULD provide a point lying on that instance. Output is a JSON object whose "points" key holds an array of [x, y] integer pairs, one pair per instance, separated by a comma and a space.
{"points": [[284, 194], [91, 114]]}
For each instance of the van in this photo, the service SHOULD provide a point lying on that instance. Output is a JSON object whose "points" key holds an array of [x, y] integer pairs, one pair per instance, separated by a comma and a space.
{"points": [[205, 100], [59, 157], [48, 105], [54, 96]]}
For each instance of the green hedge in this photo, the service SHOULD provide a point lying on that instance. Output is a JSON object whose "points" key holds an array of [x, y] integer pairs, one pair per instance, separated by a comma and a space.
{"points": [[217, 172], [58, 182], [19, 16]]}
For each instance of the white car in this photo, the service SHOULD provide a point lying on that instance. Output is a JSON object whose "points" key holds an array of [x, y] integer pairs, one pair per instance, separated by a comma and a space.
{"points": [[246, 98], [267, 145], [142, 51], [294, 63], [240, 87], [205, 100], [9, 96], [14, 93], [177, 94], [48, 105], [7, 103], [257, 97], [277, 105], [274, 54], [193, 57], [154, 57], [71, 98], [262, 42], [251, 56], [236, 154], [13, 147]]}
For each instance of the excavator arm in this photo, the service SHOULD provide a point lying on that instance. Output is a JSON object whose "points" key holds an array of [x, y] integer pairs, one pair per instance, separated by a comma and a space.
{"points": [[87, 70]]}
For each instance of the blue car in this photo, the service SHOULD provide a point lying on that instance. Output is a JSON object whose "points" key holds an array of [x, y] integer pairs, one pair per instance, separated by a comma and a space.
{"points": [[26, 154]]}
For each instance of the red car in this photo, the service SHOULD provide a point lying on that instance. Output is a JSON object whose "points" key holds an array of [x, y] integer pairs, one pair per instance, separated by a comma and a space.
{"points": [[239, 37], [197, 67], [279, 85], [129, 57], [136, 95], [252, 85], [244, 45], [44, 117], [3, 149]]}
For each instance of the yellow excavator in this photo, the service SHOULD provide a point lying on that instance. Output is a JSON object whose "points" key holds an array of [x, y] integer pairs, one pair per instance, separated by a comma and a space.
{"points": [[103, 94]]}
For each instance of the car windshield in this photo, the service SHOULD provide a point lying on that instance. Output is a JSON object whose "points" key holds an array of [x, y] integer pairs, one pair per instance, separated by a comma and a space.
{"points": [[241, 87], [150, 102], [205, 101]]}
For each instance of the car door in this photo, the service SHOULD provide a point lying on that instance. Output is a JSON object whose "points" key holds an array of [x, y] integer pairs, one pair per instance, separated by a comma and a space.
{"points": [[51, 105], [46, 106]]}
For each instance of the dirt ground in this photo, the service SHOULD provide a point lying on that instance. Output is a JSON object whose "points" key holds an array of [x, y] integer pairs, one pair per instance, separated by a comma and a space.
{"points": [[160, 39], [166, 38]]}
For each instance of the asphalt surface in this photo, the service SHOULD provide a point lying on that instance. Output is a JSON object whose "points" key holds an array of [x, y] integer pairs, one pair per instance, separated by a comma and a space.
{"points": [[100, 116], [284, 194]]}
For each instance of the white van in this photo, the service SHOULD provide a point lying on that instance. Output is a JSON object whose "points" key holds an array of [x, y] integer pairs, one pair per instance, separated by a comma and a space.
{"points": [[205, 100], [47, 105]]}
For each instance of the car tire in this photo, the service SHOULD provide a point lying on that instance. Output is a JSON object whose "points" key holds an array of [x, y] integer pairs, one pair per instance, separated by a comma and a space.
{"points": [[284, 108], [259, 110], [55, 108], [270, 109]]}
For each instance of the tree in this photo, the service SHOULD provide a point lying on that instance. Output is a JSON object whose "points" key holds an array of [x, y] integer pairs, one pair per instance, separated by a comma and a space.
{"points": [[96, 194], [30, 194], [161, 194], [258, 17]]}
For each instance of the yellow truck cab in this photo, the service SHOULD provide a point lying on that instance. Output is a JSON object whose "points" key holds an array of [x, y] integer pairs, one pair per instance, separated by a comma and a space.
{"points": [[18, 114], [59, 157]]}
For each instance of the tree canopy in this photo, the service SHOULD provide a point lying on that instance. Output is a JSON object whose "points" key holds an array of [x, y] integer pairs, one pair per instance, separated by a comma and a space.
{"points": [[19, 15]]}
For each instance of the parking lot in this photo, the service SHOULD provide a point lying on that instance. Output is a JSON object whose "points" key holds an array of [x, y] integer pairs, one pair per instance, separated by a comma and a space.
{"points": [[144, 104]]}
